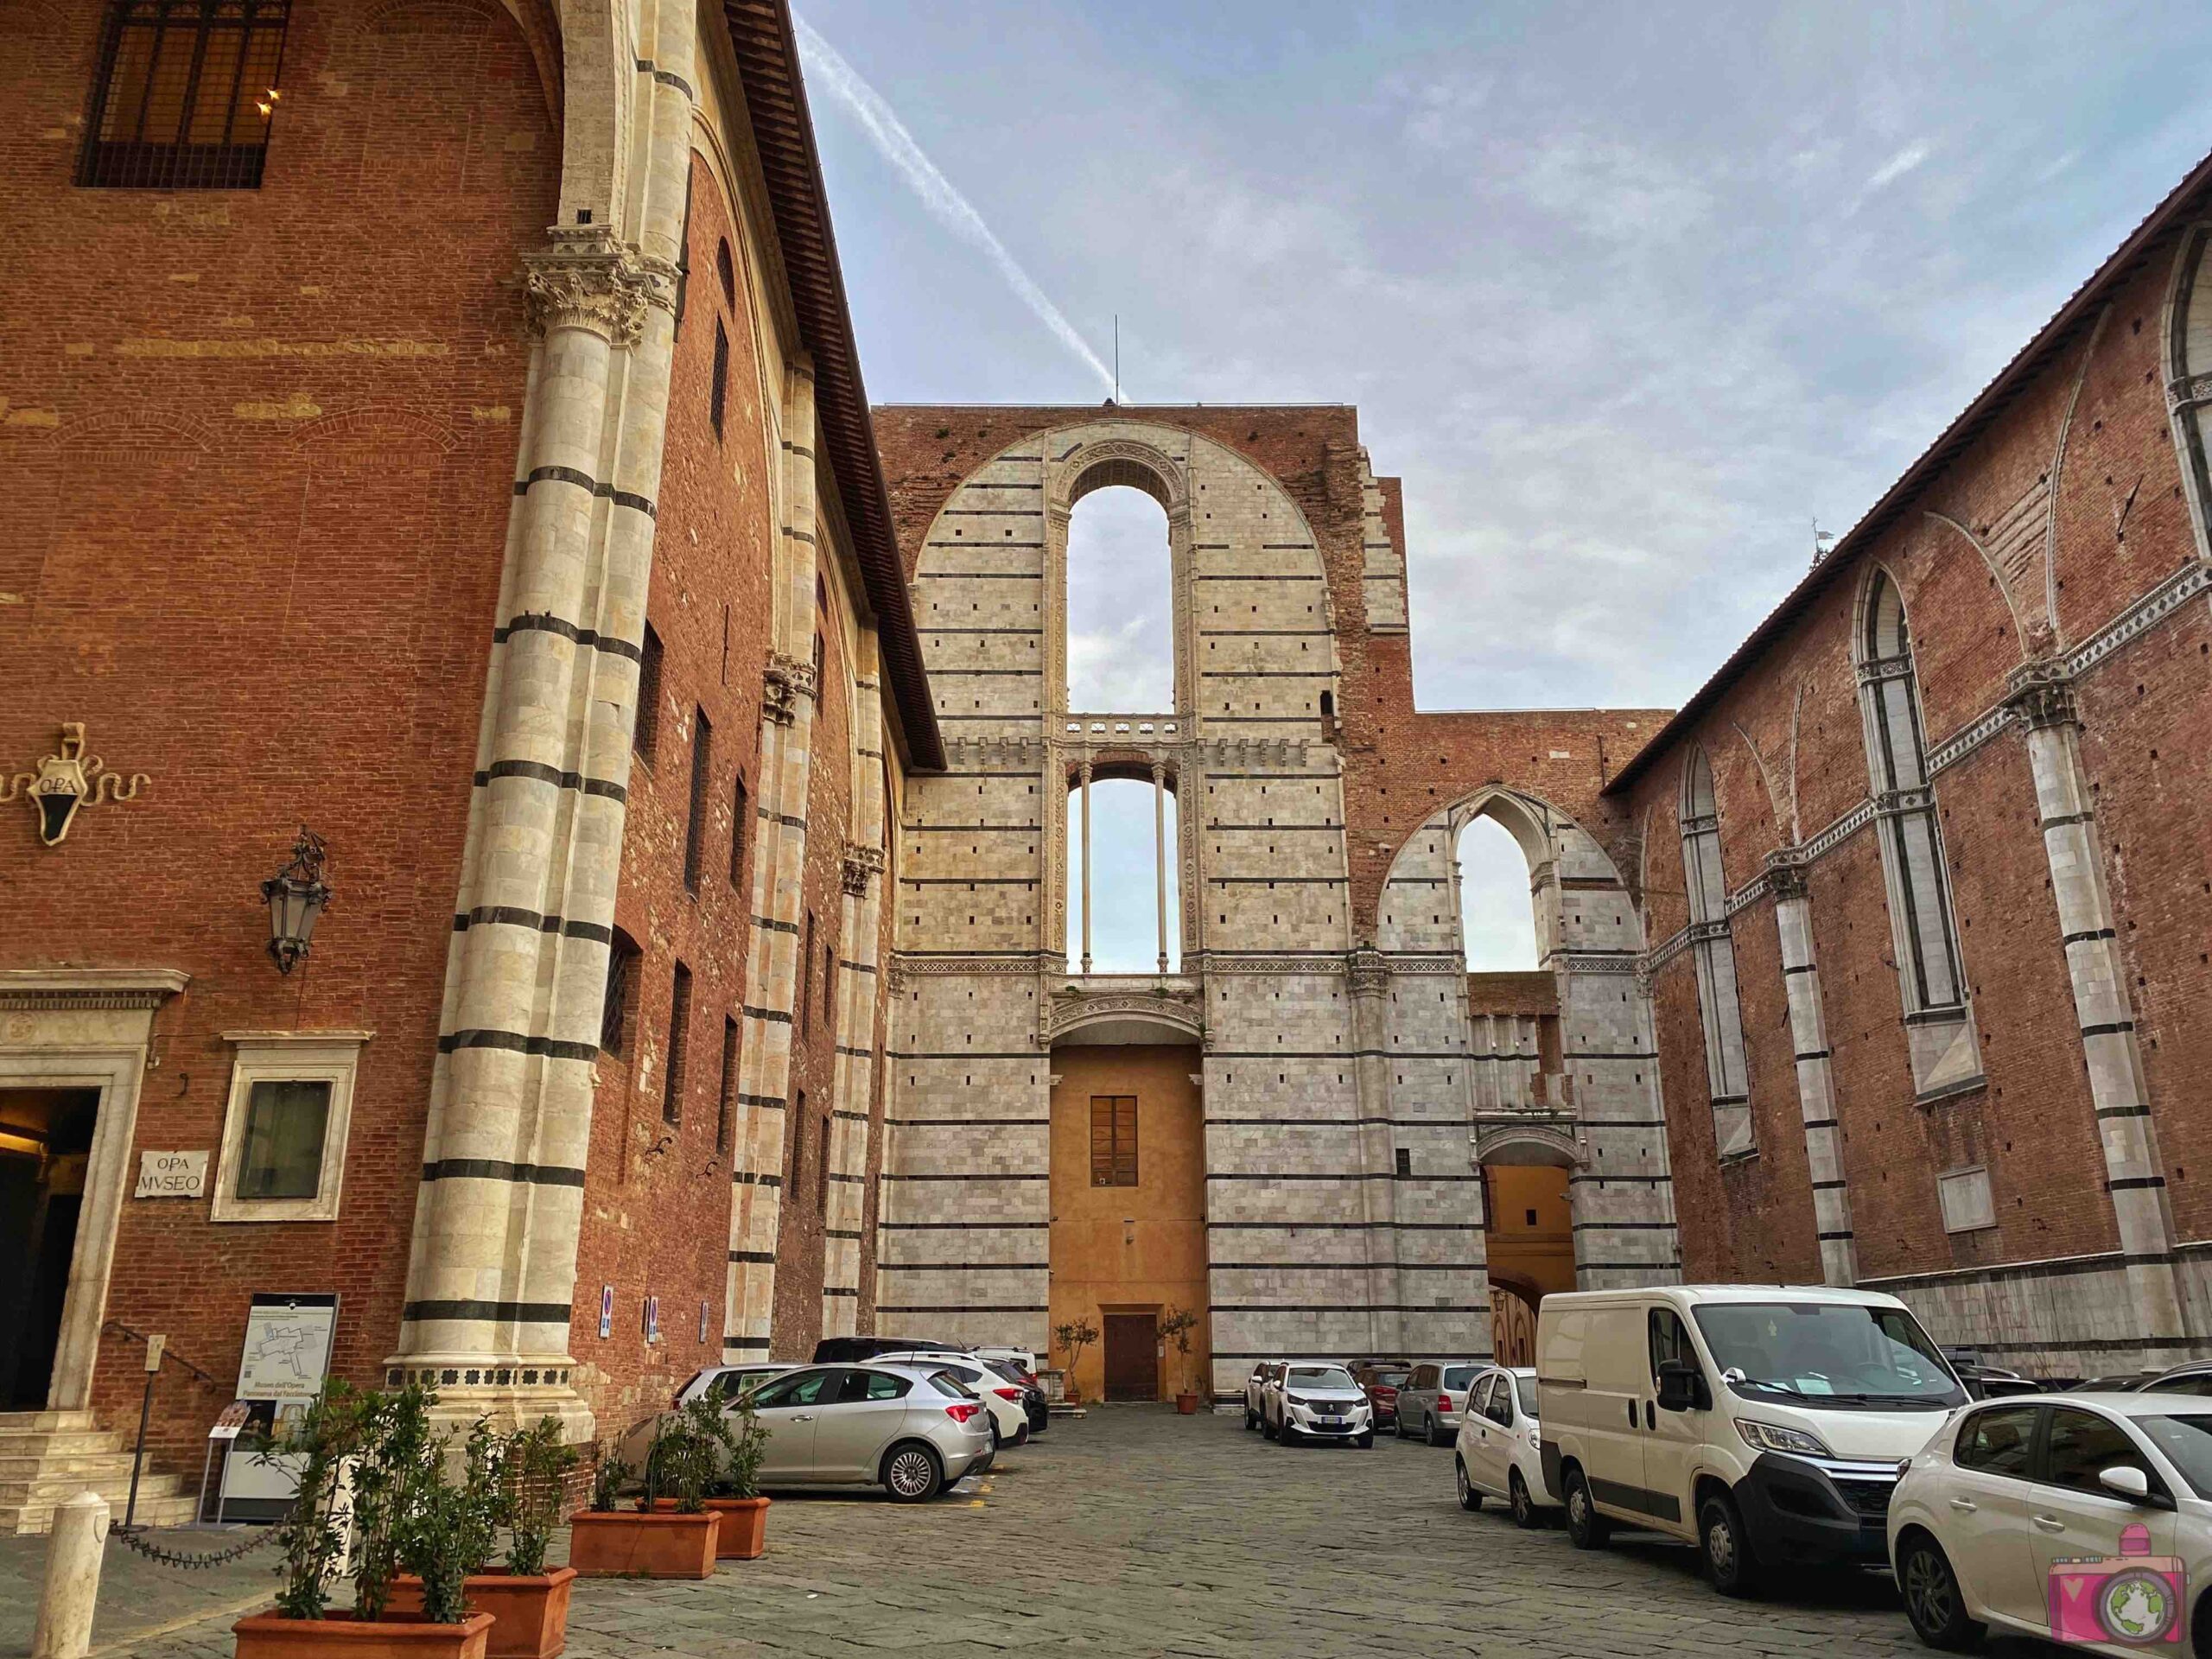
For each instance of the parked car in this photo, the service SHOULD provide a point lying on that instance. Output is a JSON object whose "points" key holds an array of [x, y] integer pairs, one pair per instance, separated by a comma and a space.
{"points": [[1383, 1383], [2117, 1383], [2196, 1378], [848, 1350], [1033, 1400], [911, 1429], [1022, 1358], [1983, 1380], [1316, 1398], [1499, 1451], [1764, 1423], [1255, 1385], [734, 1380], [1430, 1399], [1004, 1398], [2080, 1517]]}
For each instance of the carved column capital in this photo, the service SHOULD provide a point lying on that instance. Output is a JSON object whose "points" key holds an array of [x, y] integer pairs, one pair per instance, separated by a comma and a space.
{"points": [[2041, 695], [587, 279], [862, 865], [1369, 971], [1785, 875], [786, 680]]}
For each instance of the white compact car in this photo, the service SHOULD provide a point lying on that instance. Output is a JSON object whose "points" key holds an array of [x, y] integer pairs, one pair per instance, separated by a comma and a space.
{"points": [[1764, 1423], [1314, 1399], [1010, 1416], [1499, 1451], [2081, 1517]]}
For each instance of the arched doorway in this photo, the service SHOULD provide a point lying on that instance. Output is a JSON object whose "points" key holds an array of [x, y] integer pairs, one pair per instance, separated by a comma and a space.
{"points": [[1128, 1243], [1528, 1242]]}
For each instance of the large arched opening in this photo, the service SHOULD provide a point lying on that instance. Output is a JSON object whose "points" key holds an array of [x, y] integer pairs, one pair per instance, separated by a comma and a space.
{"points": [[1120, 614], [1124, 902]]}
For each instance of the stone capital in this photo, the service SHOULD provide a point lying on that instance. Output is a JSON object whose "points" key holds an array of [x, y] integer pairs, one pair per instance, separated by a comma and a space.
{"points": [[587, 279], [786, 680], [2041, 695], [1369, 972], [862, 865], [1785, 875]]}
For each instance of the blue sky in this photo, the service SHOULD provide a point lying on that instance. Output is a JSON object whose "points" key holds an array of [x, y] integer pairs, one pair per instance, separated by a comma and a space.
{"points": [[1627, 294]]}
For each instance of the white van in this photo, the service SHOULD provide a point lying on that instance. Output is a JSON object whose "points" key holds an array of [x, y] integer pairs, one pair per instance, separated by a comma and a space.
{"points": [[1764, 1422]]}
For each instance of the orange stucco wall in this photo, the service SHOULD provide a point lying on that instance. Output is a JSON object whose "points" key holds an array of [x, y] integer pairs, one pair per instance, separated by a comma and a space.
{"points": [[1130, 1248]]}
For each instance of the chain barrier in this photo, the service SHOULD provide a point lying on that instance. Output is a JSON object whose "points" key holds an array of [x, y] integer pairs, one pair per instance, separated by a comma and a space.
{"points": [[136, 1540]]}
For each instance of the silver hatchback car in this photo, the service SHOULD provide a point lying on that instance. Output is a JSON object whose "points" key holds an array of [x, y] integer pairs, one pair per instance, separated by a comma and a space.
{"points": [[1430, 1400]]}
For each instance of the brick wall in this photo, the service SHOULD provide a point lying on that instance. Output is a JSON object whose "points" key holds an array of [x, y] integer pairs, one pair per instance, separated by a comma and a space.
{"points": [[262, 444]]}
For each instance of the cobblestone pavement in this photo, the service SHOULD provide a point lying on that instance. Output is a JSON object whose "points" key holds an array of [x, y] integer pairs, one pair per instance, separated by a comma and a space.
{"points": [[1135, 1532], [137, 1597]]}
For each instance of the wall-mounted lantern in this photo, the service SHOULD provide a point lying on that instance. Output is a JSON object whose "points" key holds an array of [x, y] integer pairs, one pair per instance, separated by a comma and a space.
{"points": [[297, 896]]}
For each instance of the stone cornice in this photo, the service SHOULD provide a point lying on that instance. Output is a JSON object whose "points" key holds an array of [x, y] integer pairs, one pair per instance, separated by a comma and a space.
{"points": [[48, 989]]}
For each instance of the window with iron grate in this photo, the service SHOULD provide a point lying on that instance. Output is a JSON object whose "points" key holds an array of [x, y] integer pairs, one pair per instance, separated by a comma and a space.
{"points": [[185, 94], [1113, 1141]]}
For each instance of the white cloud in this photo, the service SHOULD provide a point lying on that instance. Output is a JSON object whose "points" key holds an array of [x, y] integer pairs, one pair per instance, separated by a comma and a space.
{"points": [[1897, 167]]}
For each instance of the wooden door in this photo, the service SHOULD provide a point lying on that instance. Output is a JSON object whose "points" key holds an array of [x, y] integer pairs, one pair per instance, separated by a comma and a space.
{"points": [[1132, 1357]]}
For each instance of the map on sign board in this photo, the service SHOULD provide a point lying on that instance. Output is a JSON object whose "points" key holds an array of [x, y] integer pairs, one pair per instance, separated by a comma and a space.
{"points": [[287, 1351]]}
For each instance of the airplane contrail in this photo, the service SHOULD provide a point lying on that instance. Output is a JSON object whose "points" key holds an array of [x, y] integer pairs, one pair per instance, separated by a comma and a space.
{"points": [[937, 193]]}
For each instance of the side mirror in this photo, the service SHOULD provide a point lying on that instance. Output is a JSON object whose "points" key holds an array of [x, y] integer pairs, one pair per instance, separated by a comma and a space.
{"points": [[2123, 1482], [1679, 1384]]}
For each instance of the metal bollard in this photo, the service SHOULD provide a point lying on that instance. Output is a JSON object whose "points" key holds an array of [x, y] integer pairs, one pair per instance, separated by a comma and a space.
{"points": [[73, 1578]]}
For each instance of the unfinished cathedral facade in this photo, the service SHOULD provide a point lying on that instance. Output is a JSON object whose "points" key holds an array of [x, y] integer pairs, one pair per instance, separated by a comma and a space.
{"points": [[1285, 1129]]}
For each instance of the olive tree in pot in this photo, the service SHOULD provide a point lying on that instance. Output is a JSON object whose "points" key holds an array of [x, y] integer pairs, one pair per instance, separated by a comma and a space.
{"points": [[674, 1538], [1176, 1326], [403, 1513], [512, 1481], [734, 1494], [1073, 1338]]}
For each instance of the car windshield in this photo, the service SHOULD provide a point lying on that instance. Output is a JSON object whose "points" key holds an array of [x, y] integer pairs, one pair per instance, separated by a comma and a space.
{"points": [[1849, 1355], [1391, 1379], [1320, 1376], [2187, 1442], [952, 1385], [1524, 1389]]}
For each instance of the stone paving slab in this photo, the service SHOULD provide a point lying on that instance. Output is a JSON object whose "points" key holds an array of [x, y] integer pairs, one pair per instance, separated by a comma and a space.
{"points": [[1136, 1534], [137, 1597]]}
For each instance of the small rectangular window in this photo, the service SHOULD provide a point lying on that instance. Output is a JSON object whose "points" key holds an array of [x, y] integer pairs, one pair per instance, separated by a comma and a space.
{"points": [[679, 1044], [1113, 1141], [725, 1095], [647, 736], [798, 1144], [614, 1008], [281, 1156], [719, 396], [821, 1170], [695, 831], [806, 977], [185, 94], [1966, 1200], [1405, 1160]]}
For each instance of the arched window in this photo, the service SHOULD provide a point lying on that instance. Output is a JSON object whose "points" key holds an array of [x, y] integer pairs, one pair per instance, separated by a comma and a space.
{"points": [[1713, 949], [1497, 922], [1125, 877], [2189, 376], [1121, 635], [1944, 1053]]}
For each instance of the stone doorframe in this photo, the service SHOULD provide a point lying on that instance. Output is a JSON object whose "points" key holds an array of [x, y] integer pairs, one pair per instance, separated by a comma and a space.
{"points": [[86, 1028]]}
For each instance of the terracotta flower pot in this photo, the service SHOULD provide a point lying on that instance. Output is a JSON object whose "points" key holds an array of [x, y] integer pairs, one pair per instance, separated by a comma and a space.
{"points": [[265, 1635], [625, 1543], [745, 1526], [1187, 1404], [530, 1613]]}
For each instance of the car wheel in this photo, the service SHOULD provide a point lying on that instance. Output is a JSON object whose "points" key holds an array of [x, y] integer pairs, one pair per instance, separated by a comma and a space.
{"points": [[1728, 1557], [1525, 1513], [1433, 1431], [1285, 1435], [1469, 1499], [913, 1474], [1251, 1419], [1932, 1598], [1585, 1527], [1398, 1425], [1267, 1428], [1367, 1441]]}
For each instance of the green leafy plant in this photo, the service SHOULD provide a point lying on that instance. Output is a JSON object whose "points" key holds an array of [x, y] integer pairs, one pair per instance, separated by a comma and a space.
{"points": [[1073, 1338], [741, 1443], [609, 1477], [311, 1536], [394, 1459], [536, 1466], [686, 1450], [1176, 1326], [449, 1527]]}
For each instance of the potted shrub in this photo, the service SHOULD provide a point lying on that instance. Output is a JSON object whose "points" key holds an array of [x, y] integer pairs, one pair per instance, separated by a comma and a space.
{"points": [[737, 1443], [397, 1517], [1073, 1338], [649, 1541], [1175, 1326], [516, 1483]]}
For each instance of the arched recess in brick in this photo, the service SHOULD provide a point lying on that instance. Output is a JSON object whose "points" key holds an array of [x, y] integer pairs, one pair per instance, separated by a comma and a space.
{"points": [[1603, 1101], [2189, 374]]}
